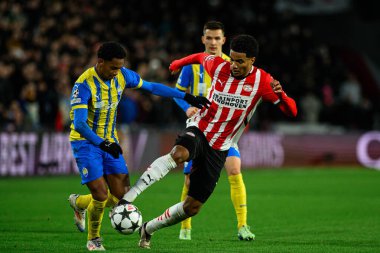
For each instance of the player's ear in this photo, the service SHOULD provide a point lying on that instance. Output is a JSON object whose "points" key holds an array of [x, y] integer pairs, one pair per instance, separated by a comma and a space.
{"points": [[203, 39], [253, 59]]}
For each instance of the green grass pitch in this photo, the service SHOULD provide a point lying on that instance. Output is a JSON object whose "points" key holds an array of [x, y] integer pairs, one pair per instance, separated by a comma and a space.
{"points": [[290, 210]]}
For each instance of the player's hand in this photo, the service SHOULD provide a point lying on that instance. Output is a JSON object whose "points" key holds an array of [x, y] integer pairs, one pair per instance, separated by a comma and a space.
{"points": [[191, 111], [197, 101], [276, 86], [174, 68], [112, 148], [174, 72]]}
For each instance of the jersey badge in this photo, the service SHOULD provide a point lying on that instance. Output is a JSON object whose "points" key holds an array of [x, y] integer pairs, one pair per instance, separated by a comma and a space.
{"points": [[247, 88], [85, 172], [76, 93]]}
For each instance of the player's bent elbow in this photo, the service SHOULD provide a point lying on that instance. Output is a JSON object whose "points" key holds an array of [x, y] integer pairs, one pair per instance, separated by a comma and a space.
{"points": [[79, 125]]}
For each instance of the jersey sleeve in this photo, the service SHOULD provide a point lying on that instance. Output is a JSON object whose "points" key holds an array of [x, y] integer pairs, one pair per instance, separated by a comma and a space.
{"points": [[211, 62], [185, 79], [132, 79], [286, 104], [80, 96], [268, 93]]}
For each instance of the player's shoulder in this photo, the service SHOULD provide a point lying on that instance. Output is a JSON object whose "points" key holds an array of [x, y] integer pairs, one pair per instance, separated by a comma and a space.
{"points": [[189, 69], [263, 73], [87, 74], [225, 57]]}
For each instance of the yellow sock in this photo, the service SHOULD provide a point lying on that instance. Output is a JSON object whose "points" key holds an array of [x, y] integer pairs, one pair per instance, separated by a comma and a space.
{"points": [[185, 223], [239, 198], [95, 213], [83, 201], [112, 200]]}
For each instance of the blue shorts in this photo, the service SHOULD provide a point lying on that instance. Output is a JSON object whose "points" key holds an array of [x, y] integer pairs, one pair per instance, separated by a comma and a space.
{"points": [[233, 151], [93, 162]]}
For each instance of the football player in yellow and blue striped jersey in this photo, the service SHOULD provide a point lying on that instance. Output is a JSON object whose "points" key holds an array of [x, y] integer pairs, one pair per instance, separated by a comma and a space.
{"points": [[93, 137], [195, 80]]}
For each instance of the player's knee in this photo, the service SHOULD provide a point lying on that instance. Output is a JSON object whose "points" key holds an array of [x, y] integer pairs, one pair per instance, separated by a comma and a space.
{"points": [[179, 154], [191, 208], [233, 171], [99, 195]]}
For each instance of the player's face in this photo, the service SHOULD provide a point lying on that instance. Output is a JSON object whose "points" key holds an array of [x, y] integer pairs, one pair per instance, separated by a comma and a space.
{"points": [[109, 69], [213, 41], [240, 64]]}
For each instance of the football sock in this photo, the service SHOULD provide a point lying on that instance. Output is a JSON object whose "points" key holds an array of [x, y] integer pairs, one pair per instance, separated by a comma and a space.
{"points": [[112, 200], [157, 170], [185, 223], [171, 216], [239, 198], [95, 212], [83, 201]]}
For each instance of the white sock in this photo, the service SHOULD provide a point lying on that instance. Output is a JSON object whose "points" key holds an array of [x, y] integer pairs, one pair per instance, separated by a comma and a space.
{"points": [[157, 170], [171, 216]]}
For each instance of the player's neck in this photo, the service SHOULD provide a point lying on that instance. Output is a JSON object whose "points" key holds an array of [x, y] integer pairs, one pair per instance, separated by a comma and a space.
{"points": [[98, 72], [220, 54]]}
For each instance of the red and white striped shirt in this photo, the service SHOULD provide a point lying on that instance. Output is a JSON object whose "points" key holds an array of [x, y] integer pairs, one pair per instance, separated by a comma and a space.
{"points": [[233, 101]]}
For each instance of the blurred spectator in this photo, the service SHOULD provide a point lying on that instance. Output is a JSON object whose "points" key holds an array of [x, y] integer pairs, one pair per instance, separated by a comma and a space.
{"points": [[310, 106], [350, 92]]}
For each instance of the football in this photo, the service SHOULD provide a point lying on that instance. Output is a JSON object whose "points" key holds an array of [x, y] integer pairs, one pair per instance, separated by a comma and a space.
{"points": [[126, 218]]}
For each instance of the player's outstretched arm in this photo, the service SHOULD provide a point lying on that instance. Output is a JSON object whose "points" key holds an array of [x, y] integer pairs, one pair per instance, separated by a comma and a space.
{"points": [[165, 91], [176, 65]]}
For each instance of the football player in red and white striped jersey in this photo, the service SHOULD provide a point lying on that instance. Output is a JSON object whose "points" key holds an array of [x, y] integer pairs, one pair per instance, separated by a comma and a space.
{"points": [[237, 89]]}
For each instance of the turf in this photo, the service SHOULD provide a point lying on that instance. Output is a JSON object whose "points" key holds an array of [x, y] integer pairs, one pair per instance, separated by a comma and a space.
{"points": [[290, 210]]}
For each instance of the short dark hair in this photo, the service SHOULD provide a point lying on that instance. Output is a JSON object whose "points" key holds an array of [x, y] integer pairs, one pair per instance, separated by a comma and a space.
{"points": [[213, 25], [245, 44], [109, 50]]}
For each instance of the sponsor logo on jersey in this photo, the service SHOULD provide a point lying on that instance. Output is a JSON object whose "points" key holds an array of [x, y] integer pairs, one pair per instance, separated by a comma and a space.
{"points": [[102, 105], [231, 100]]}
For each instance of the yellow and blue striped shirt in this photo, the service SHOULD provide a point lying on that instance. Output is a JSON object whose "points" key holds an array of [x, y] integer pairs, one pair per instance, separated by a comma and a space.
{"points": [[101, 98]]}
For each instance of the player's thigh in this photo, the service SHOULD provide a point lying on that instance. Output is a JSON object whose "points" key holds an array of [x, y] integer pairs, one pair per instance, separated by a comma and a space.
{"points": [[89, 160], [116, 172]]}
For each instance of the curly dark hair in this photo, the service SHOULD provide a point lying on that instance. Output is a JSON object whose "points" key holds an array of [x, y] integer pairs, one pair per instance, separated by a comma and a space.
{"points": [[109, 50], [245, 44]]}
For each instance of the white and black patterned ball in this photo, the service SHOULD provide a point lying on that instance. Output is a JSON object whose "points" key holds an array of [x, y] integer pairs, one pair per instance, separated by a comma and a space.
{"points": [[126, 219]]}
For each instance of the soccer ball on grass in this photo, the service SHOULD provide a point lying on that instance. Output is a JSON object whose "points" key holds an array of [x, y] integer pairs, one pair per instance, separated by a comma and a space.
{"points": [[126, 218]]}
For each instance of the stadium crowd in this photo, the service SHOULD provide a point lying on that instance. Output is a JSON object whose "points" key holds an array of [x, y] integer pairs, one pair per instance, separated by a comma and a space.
{"points": [[45, 45]]}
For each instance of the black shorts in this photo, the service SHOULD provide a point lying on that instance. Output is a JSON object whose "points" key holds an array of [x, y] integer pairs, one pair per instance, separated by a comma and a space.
{"points": [[207, 163]]}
